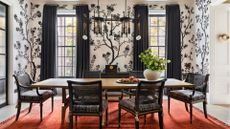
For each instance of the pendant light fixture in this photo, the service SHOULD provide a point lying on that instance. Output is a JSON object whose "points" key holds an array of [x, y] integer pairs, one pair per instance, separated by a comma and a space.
{"points": [[125, 21], [97, 20]]}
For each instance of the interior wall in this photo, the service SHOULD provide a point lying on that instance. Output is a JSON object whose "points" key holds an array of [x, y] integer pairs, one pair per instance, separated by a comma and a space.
{"points": [[13, 8], [193, 32], [100, 56]]}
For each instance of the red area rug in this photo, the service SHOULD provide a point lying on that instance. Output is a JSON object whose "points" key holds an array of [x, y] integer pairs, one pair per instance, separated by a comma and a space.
{"points": [[178, 119]]}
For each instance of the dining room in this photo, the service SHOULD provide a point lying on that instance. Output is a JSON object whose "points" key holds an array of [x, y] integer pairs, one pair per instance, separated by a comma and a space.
{"points": [[131, 64]]}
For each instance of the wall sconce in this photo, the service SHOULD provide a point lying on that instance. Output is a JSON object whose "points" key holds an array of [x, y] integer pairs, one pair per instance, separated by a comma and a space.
{"points": [[223, 37], [138, 37]]}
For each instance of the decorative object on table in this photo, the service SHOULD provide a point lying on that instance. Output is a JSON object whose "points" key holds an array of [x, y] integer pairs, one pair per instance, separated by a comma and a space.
{"points": [[129, 80], [154, 64], [111, 68]]}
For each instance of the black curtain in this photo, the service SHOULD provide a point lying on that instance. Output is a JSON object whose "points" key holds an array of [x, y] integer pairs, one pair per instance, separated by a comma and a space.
{"points": [[141, 35], [48, 42], [82, 12], [173, 41]]}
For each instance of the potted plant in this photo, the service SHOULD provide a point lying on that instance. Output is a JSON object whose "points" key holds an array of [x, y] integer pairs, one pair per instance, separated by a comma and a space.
{"points": [[154, 64]]}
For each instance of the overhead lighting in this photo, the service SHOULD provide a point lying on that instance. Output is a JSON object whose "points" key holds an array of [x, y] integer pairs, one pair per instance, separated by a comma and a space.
{"points": [[97, 20], [125, 21]]}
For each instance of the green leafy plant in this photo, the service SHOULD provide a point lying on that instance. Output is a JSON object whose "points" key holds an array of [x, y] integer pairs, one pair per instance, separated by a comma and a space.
{"points": [[153, 62]]}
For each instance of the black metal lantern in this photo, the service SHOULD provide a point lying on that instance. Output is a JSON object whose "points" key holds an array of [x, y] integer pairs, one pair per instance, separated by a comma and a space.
{"points": [[125, 22], [98, 21], [125, 25]]}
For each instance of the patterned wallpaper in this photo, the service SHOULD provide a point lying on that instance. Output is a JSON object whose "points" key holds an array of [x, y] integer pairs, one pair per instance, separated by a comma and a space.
{"points": [[194, 28], [111, 47], [27, 45], [195, 36]]}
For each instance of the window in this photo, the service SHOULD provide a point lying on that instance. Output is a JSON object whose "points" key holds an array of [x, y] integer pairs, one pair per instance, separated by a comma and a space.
{"points": [[66, 45], [157, 22], [3, 54]]}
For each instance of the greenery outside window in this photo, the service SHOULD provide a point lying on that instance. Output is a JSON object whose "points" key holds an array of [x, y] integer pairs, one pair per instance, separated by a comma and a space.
{"points": [[157, 22], [66, 45]]}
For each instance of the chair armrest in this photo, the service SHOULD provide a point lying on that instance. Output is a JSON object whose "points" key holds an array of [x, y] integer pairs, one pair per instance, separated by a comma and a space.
{"points": [[25, 87], [32, 81], [38, 92]]}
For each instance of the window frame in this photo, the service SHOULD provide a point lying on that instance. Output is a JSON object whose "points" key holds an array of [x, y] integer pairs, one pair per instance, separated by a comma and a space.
{"points": [[63, 48], [150, 35], [6, 54]]}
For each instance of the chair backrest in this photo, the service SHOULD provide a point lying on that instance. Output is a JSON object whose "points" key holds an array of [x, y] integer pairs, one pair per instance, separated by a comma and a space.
{"points": [[149, 92], [92, 74], [200, 81], [138, 74], [22, 80], [83, 91]]}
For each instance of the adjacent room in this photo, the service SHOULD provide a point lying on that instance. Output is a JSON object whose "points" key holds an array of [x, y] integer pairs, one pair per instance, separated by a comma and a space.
{"points": [[124, 64]]}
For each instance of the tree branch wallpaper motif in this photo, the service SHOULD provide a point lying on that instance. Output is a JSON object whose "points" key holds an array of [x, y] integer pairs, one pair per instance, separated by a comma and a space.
{"points": [[202, 35], [110, 47], [114, 48], [187, 35], [28, 48]]}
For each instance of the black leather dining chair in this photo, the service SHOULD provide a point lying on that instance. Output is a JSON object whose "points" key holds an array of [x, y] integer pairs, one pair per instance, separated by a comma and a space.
{"points": [[148, 100], [27, 94], [86, 99], [192, 95]]}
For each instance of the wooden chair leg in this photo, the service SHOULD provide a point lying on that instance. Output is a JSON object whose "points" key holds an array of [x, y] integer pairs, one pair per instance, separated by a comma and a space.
{"points": [[205, 109], [41, 105], [101, 117], [18, 110], [106, 116], [76, 120], [160, 116], [30, 107], [186, 106], [168, 103], [136, 121], [144, 119], [70, 121], [190, 113], [119, 116], [52, 103]]}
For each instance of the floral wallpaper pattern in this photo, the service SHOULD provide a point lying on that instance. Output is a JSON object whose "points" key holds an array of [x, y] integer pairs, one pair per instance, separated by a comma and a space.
{"points": [[115, 48], [195, 37], [28, 48], [202, 35], [110, 47]]}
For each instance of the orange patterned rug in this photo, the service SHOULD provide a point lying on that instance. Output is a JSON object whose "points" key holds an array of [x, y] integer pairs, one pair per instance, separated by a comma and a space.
{"points": [[178, 119]]}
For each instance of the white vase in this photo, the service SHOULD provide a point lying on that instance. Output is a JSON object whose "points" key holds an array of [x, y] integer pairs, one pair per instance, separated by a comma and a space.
{"points": [[151, 75]]}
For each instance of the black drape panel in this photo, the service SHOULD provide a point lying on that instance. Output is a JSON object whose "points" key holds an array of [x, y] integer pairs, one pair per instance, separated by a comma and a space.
{"points": [[141, 31], [173, 41], [82, 12], [48, 42]]}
